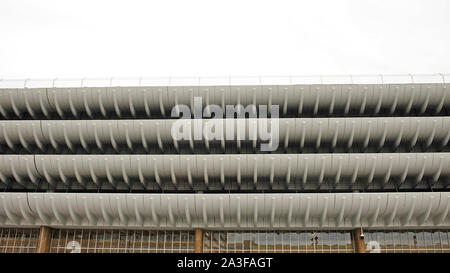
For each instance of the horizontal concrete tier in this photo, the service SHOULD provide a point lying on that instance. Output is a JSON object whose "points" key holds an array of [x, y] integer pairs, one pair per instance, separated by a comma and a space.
{"points": [[233, 135], [226, 81], [159, 101], [301, 210], [224, 172]]}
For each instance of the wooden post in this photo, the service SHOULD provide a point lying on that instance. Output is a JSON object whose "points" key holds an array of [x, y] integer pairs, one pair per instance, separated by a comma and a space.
{"points": [[198, 240], [359, 242], [44, 240]]}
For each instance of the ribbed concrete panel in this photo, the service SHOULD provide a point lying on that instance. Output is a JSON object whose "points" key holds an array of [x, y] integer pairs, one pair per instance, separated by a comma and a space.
{"points": [[158, 101], [219, 172], [68, 143], [226, 210], [295, 135]]}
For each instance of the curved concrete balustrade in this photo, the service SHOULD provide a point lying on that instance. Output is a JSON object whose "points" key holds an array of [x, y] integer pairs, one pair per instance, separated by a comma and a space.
{"points": [[344, 134], [158, 101], [416, 209], [219, 172], [295, 135]]}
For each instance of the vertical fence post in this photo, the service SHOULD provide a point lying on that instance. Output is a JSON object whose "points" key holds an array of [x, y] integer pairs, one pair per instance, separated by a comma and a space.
{"points": [[198, 240], [358, 240], [44, 239]]}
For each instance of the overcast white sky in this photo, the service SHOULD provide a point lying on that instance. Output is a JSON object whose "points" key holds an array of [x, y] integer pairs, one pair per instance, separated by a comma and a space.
{"points": [[77, 38]]}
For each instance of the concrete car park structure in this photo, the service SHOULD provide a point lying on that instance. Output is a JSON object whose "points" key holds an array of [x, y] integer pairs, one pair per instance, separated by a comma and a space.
{"points": [[362, 164]]}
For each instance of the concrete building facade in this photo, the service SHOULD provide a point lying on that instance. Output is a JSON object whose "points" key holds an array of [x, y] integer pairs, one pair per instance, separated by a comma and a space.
{"points": [[302, 164]]}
